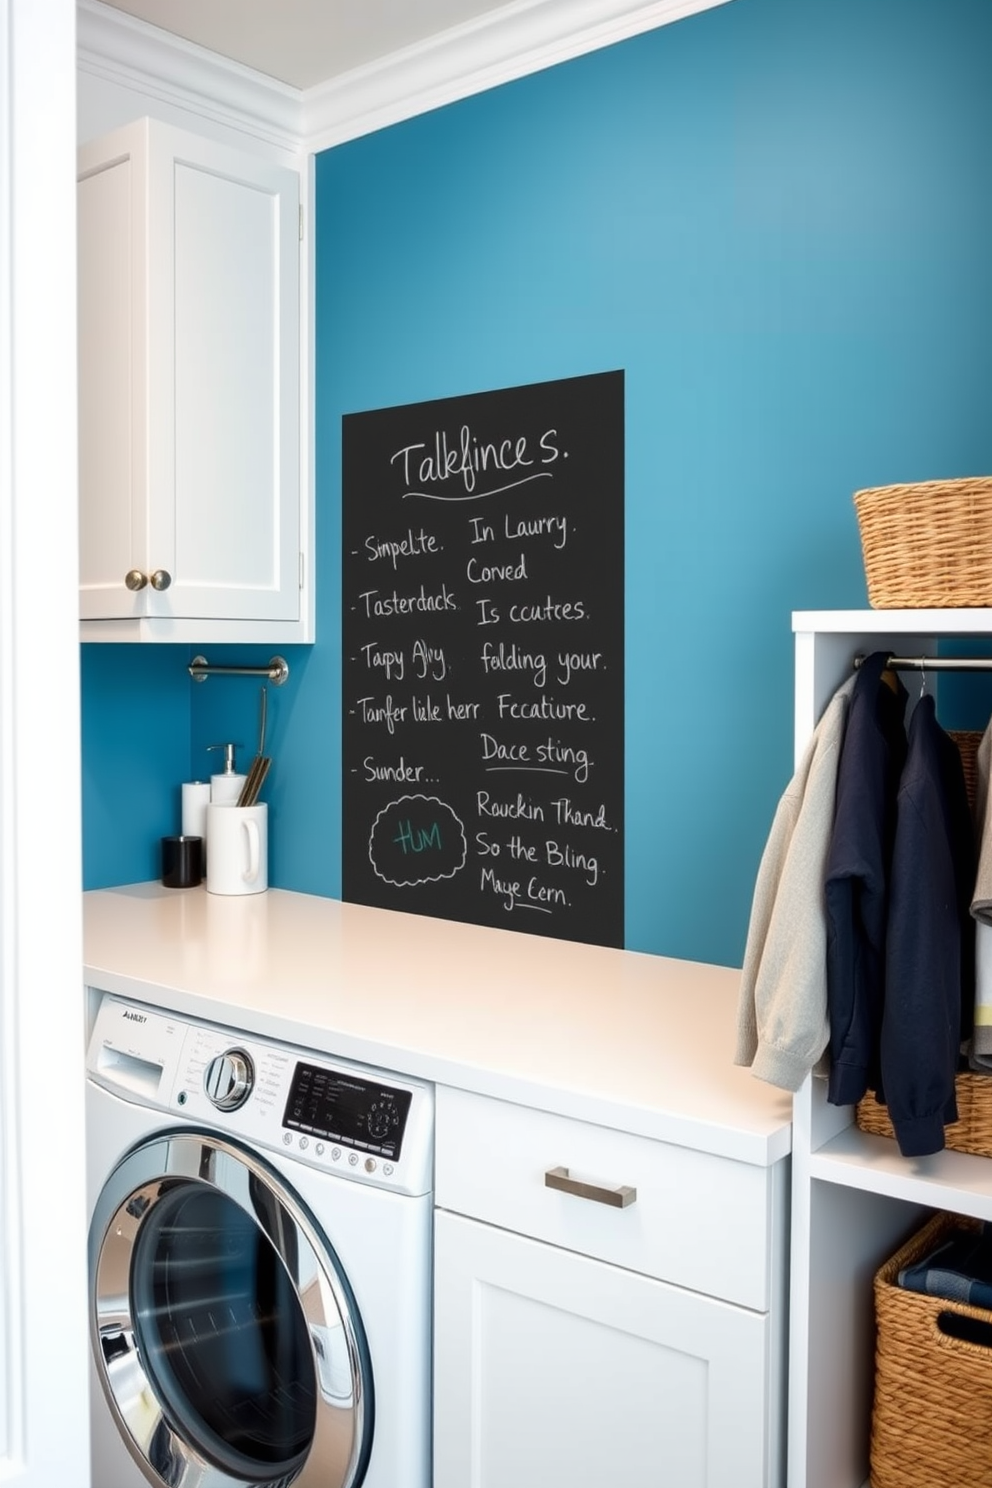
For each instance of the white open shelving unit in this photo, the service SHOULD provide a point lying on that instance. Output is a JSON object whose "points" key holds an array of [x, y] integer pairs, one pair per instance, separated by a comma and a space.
{"points": [[854, 1197]]}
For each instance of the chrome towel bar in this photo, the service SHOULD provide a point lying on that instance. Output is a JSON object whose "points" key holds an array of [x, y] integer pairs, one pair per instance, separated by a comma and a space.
{"points": [[277, 670]]}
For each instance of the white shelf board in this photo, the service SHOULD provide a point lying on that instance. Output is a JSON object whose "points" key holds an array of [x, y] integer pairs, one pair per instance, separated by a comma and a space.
{"points": [[894, 622], [956, 1181]]}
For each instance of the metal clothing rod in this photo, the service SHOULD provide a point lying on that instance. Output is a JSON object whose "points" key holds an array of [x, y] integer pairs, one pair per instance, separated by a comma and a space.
{"points": [[277, 670], [935, 663]]}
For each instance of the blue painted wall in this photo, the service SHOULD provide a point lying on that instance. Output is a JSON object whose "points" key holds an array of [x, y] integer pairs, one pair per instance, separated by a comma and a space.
{"points": [[135, 703], [775, 216]]}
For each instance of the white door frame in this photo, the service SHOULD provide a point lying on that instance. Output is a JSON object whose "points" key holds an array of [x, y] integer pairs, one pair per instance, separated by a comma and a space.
{"points": [[44, 1439]]}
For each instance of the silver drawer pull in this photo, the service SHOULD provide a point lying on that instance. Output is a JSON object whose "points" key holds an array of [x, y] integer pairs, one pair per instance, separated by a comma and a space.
{"points": [[617, 1198]]}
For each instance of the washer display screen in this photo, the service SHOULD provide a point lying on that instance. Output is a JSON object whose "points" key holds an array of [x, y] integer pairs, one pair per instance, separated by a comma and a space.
{"points": [[340, 1108]]}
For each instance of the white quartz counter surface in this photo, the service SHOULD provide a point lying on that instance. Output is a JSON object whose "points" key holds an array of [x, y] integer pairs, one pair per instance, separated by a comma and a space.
{"points": [[637, 1042]]}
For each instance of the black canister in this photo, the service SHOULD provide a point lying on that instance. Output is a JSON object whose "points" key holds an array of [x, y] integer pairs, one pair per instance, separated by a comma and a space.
{"points": [[182, 862]]}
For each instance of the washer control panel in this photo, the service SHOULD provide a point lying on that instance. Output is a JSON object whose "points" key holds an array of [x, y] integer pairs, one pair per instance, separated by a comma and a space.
{"points": [[363, 1123]]}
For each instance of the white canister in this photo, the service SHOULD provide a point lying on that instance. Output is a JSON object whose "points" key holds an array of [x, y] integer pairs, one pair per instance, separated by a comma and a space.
{"points": [[237, 848], [196, 798]]}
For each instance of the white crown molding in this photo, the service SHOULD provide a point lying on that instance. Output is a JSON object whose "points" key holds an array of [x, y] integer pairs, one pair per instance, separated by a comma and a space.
{"points": [[521, 37], [113, 45]]}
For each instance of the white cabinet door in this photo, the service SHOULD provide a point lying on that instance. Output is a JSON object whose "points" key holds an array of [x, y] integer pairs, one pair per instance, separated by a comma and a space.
{"points": [[189, 369], [554, 1369]]}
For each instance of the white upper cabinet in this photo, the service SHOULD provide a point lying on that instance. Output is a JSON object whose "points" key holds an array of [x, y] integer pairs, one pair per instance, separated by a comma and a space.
{"points": [[192, 515]]}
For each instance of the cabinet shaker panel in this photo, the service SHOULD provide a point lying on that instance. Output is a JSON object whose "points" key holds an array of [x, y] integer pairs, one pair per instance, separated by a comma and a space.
{"points": [[553, 1368], [191, 509]]}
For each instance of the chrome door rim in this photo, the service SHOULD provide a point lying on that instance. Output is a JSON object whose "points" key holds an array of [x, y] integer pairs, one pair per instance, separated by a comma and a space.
{"points": [[338, 1454]]}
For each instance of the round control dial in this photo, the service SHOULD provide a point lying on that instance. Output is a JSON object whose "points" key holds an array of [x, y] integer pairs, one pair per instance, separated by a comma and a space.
{"points": [[229, 1079]]}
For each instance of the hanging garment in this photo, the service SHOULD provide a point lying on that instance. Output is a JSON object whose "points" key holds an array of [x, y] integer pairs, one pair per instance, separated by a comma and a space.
{"points": [[857, 879], [929, 955], [782, 1028], [980, 1050]]}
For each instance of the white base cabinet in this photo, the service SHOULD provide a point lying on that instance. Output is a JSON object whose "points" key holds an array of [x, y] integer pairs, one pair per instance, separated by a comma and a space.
{"points": [[568, 1348], [193, 521]]}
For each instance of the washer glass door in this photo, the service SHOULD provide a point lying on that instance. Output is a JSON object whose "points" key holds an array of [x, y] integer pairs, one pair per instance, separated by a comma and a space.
{"points": [[226, 1336]]}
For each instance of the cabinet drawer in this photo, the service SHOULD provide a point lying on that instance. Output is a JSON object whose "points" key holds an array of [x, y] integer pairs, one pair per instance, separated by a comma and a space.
{"points": [[708, 1223]]}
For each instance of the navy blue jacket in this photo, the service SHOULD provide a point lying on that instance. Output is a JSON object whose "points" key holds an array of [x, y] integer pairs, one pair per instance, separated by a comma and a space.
{"points": [[857, 878], [929, 967]]}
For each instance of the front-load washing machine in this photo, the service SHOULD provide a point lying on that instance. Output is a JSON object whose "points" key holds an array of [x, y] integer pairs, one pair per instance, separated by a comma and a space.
{"points": [[259, 1261]]}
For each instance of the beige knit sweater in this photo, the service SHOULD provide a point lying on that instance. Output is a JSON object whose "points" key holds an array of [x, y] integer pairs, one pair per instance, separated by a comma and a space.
{"points": [[782, 1022]]}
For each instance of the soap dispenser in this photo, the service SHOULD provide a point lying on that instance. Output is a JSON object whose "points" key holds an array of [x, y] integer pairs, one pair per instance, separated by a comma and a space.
{"points": [[226, 787]]}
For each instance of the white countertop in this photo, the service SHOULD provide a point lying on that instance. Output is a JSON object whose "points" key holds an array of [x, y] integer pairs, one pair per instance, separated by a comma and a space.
{"points": [[636, 1042]]}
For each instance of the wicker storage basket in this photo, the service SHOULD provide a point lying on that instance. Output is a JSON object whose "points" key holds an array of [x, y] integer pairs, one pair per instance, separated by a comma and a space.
{"points": [[932, 1413], [927, 545], [972, 1132]]}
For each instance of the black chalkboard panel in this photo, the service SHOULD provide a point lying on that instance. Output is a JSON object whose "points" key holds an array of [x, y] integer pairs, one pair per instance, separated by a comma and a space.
{"points": [[483, 677]]}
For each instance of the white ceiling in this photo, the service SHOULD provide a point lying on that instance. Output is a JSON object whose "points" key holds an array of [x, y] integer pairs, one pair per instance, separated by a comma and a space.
{"points": [[306, 42]]}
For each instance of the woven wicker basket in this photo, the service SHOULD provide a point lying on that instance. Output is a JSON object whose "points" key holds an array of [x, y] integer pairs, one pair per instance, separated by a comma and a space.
{"points": [[927, 545], [932, 1413], [972, 1132]]}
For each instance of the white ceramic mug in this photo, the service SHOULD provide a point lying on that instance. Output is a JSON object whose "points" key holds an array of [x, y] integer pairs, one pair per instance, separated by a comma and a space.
{"points": [[237, 849]]}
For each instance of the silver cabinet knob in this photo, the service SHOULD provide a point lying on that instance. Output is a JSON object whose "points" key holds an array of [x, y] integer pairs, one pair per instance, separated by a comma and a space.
{"points": [[135, 580], [161, 579]]}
